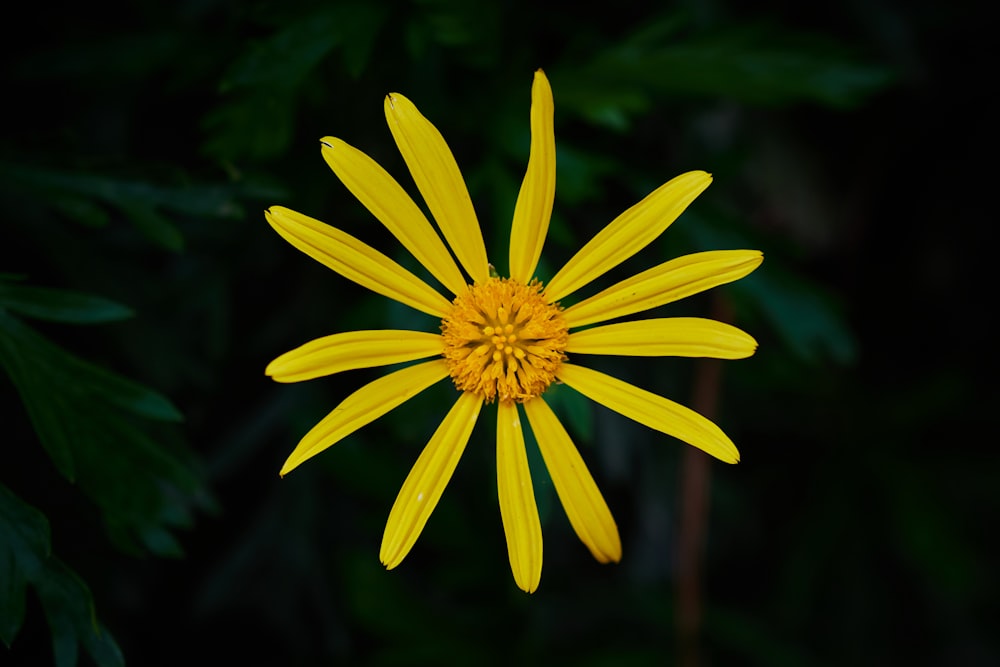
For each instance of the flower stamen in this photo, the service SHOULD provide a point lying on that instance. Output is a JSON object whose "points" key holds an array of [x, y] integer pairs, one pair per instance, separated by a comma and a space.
{"points": [[503, 340]]}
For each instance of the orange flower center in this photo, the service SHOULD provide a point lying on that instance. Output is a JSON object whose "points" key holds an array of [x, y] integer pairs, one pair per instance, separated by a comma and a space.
{"points": [[502, 339]]}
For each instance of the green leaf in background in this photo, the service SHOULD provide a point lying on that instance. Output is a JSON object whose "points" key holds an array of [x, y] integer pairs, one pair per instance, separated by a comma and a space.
{"points": [[758, 65], [82, 195], [262, 85], [168, 114], [150, 49], [56, 305], [82, 211], [468, 28], [94, 425], [803, 313], [574, 409], [26, 559]]}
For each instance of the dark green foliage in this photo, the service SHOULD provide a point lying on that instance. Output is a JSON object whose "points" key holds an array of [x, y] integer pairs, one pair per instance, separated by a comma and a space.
{"points": [[90, 422], [26, 560], [54, 305], [754, 65], [262, 87], [140, 149]]}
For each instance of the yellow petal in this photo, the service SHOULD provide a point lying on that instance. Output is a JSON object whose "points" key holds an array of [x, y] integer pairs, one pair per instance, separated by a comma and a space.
{"points": [[351, 350], [666, 337], [534, 203], [440, 182], [355, 260], [387, 201], [665, 283], [428, 477], [627, 234], [517, 500], [365, 406], [650, 410], [585, 507]]}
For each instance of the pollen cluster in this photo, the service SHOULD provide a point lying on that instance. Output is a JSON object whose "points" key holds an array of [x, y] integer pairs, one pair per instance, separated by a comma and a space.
{"points": [[503, 340]]}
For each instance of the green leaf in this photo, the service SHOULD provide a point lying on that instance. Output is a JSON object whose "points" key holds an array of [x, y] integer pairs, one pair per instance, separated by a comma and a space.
{"points": [[360, 24], [81, 210], [575, 411], [69, 609], [153, 225], [94, 424], [258, 124], [57, 305], [12, 591], [140, 202], [804, 314], [26, 559], [42, 362], [24, 545], [468, 28], [136, 200], [256, 118], [197, 200], [286, 58], [759, 65], [126, 58], [43, 410]]}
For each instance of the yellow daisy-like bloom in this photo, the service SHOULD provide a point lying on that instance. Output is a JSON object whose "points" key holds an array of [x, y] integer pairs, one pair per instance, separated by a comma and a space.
{"points": [[505, 340]]}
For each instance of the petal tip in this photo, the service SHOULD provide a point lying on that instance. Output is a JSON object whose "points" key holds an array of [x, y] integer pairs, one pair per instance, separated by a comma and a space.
{"points": [[391, 100], [269, 217], [697, 179], [608, 550], [273, 215], [527, 587], [614, 558]]}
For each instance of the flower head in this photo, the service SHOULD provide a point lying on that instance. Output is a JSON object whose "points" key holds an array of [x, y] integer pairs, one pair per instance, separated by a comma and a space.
{"points": [[505, 340]]}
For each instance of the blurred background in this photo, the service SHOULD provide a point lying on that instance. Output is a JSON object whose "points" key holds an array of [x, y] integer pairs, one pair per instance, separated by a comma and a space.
{"points": [[142, 519]]}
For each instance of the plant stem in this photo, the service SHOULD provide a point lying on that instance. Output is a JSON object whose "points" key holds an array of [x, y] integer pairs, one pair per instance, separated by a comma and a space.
{"points": [[695, 484]]}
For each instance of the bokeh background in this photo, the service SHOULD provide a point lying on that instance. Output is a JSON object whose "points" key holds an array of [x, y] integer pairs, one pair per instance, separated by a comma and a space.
{"points": [[141, 515]]}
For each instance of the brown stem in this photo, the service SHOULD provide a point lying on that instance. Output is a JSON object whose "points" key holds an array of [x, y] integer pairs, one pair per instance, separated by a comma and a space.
{"points": [[695, 484]]}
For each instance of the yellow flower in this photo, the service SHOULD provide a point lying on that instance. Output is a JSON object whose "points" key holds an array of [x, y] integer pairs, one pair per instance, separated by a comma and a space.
{"points": [[505, 340]]}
